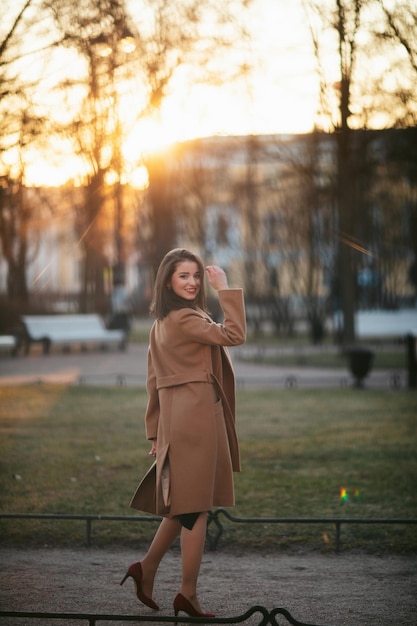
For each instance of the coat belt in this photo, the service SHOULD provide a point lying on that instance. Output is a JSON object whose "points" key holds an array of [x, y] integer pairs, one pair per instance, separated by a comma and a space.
{"points": [[203, 376]]}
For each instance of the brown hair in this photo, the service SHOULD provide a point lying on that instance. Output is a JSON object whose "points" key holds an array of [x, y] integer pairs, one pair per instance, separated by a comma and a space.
{"points": [[165, 300]]}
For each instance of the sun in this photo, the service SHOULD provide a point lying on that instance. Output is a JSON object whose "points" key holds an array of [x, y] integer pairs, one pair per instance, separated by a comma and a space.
{"points": [[148, 136]]}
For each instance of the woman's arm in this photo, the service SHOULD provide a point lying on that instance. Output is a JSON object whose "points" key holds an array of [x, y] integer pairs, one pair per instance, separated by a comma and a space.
{"points": [[196, 327]]}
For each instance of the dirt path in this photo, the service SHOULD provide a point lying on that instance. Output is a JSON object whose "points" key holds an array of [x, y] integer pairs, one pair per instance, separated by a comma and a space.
{"points": [[338, 590]]}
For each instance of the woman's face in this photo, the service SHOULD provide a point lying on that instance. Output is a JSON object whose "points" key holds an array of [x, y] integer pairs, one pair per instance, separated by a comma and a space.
{"points": [[186, 280]]}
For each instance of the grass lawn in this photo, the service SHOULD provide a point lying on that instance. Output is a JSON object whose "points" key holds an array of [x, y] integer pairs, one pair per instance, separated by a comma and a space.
{"points": [[394, 360], [83, 450]]}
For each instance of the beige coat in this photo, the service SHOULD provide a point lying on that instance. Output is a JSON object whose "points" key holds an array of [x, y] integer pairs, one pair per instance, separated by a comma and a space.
{"points": [[191, 410]]}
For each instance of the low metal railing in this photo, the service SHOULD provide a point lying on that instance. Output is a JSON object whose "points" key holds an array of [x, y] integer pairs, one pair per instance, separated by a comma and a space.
{"points": [[336, 521], [215, 527], [265, 617]]}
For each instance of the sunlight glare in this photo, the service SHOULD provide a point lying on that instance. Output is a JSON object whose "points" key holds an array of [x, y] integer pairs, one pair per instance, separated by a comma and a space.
{"points": [[150, 135], [110, 177], [42, 172], [278, 95], [140, 178]]}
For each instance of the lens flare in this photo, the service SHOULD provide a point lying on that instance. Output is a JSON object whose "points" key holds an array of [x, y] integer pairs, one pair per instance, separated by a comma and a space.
{"points": [[344, 496]]}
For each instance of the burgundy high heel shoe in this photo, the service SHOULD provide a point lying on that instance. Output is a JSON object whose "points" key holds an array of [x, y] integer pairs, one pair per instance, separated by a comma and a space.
{"points": [[135, 572], [182, 604]]}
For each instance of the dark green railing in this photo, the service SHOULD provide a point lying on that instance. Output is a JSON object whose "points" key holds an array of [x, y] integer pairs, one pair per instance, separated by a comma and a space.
{"points": [[265, 617], [337, 522], [215, 527]]}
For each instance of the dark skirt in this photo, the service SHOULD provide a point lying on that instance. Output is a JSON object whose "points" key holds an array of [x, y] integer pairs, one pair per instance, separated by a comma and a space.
{"points": [[188, 519]]}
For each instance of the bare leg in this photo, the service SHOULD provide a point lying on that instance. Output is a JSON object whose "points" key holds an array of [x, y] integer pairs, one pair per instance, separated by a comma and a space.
{"points": [[192, 548], [168, 531]]}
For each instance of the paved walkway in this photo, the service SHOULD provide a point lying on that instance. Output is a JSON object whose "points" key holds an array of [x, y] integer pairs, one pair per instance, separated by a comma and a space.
{"points": [[112, 367], [324, 589]]}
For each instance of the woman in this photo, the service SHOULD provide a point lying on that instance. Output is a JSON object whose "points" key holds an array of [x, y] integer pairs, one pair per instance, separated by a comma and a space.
{"points": [[190, 418]]}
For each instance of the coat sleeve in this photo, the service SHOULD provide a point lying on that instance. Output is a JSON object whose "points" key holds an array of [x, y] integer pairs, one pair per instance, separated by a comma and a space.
{"points": [[232, 332], [152, 409]]}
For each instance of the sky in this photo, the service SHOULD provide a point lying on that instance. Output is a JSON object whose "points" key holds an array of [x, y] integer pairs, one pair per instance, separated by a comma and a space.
{"points": [[278, 96]]}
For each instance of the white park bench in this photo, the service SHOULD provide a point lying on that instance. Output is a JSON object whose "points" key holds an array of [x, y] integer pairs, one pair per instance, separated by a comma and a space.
{"points": [[386, 324], [66, 330], [8, 343], [398, 325]]}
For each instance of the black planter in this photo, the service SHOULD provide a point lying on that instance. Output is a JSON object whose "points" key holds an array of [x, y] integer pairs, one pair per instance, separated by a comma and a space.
{"points": [[360, 364]]}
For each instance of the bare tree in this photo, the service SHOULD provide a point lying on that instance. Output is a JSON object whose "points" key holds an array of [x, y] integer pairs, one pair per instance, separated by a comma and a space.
{"points": [[344, 20], [399, 29], [13, 249], [301, 221], [21, 128], [15, 214], [312, 227], [194, 35], [166, 36], [365, 32], [21, 110], [401, 20]]}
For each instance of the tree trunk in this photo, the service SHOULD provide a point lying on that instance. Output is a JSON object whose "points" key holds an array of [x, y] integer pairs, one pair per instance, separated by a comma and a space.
{"points": [[163, 217], [16, 282], [346, 225]]}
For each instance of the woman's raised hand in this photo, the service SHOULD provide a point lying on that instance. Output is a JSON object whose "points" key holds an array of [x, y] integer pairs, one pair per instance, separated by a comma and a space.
{"points": [[217, 277]]}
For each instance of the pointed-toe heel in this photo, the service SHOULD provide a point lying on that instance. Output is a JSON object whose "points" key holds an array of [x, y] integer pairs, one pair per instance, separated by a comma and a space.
{"points": [[135, 571], [182, 604]]}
